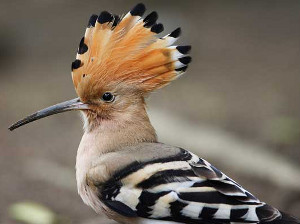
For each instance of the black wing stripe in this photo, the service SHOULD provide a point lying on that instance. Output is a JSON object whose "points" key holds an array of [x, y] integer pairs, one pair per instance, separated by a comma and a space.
{"points": [[237, 214], [121, 208], [208, 213], [210, 197], [249, 198], [166, 176], [110, 190], [223, 187], [203, 170], [146, 201], [176, 208]]}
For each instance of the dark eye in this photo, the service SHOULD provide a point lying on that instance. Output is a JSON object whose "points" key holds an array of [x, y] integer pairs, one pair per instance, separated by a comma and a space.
{"points": [[108, 97]]}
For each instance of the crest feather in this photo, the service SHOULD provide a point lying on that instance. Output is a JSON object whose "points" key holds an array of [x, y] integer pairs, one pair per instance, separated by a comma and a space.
{"points": [[116, 49]]}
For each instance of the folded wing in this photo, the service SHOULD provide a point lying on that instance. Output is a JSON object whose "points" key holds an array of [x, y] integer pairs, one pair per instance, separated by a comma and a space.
{"points": [[183, 189]]}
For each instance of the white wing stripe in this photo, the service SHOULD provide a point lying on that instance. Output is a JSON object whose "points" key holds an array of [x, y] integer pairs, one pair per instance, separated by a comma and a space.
{"points": [[192, 210], [195, 189], [223, 212], [162, 205], [251, 214], [129, 196], [151, 169], [171, 186]]}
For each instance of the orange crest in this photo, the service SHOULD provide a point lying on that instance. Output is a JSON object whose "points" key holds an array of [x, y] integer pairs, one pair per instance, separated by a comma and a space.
{"points": [[128, 51]]}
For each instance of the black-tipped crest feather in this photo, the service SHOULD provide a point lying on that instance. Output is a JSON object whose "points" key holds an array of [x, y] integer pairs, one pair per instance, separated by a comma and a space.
{"points": [[182, 69], [82, 47], [176, 33], [150, 19], [138, 10], [116, 20], [105, 17], [185, 60], [184, 49], [92, 20], [75, 64], [157, 28]]}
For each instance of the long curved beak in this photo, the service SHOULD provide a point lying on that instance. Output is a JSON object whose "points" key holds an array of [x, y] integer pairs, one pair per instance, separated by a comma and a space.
{"points": [[74, 104]]}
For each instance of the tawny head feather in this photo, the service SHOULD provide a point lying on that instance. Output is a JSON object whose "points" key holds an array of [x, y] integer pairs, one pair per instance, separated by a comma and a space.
{"points": [[125, 53]]}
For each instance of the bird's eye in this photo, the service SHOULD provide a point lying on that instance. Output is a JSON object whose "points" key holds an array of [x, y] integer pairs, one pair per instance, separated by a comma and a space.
{"points": [[108, 97]]}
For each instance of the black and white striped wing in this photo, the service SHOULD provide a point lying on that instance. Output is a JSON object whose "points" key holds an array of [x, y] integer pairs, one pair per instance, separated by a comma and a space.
{"points": [[184, 189]]}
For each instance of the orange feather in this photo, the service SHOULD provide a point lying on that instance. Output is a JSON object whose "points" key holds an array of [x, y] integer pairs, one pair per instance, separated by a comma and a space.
{"points": [[128, 51]]}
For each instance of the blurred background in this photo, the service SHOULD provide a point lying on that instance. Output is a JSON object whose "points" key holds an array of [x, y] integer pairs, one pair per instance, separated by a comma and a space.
{"points": [[237, 106]]}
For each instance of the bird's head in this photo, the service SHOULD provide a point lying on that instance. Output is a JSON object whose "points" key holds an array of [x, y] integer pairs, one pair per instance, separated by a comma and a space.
{"points": [[120, 60]]}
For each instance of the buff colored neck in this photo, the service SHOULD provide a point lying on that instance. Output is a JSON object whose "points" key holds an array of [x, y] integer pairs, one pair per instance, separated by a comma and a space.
{"points": [[124, 130]]}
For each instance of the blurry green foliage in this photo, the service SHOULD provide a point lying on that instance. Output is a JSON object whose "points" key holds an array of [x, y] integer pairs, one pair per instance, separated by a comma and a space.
{"points": [[34, 213], [283, 130]]}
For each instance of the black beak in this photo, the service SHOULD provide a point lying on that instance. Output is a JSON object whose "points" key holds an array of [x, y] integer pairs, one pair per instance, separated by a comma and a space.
{"points": [[74, 104]]}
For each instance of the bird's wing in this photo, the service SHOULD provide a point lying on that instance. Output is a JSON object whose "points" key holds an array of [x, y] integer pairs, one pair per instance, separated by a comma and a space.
{"points": [[185, 189]]}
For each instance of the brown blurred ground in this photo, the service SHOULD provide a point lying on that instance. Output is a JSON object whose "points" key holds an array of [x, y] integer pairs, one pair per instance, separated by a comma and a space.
{"points": [[244, 80]]}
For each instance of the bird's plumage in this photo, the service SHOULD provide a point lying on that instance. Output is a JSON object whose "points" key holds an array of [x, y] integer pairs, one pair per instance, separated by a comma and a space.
{"points": [[121, 169], [181, 188]]}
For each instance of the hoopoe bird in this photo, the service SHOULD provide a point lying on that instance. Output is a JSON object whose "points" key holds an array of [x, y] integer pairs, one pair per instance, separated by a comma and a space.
{"points": [[121, 168]]}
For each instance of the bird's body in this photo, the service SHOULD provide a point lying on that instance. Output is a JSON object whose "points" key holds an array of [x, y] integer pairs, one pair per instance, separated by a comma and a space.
{"points": [[121, 168], [149, 181]]}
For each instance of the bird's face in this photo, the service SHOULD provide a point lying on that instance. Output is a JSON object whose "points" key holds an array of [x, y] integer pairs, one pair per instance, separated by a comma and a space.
{"points": [[110, 103]]}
